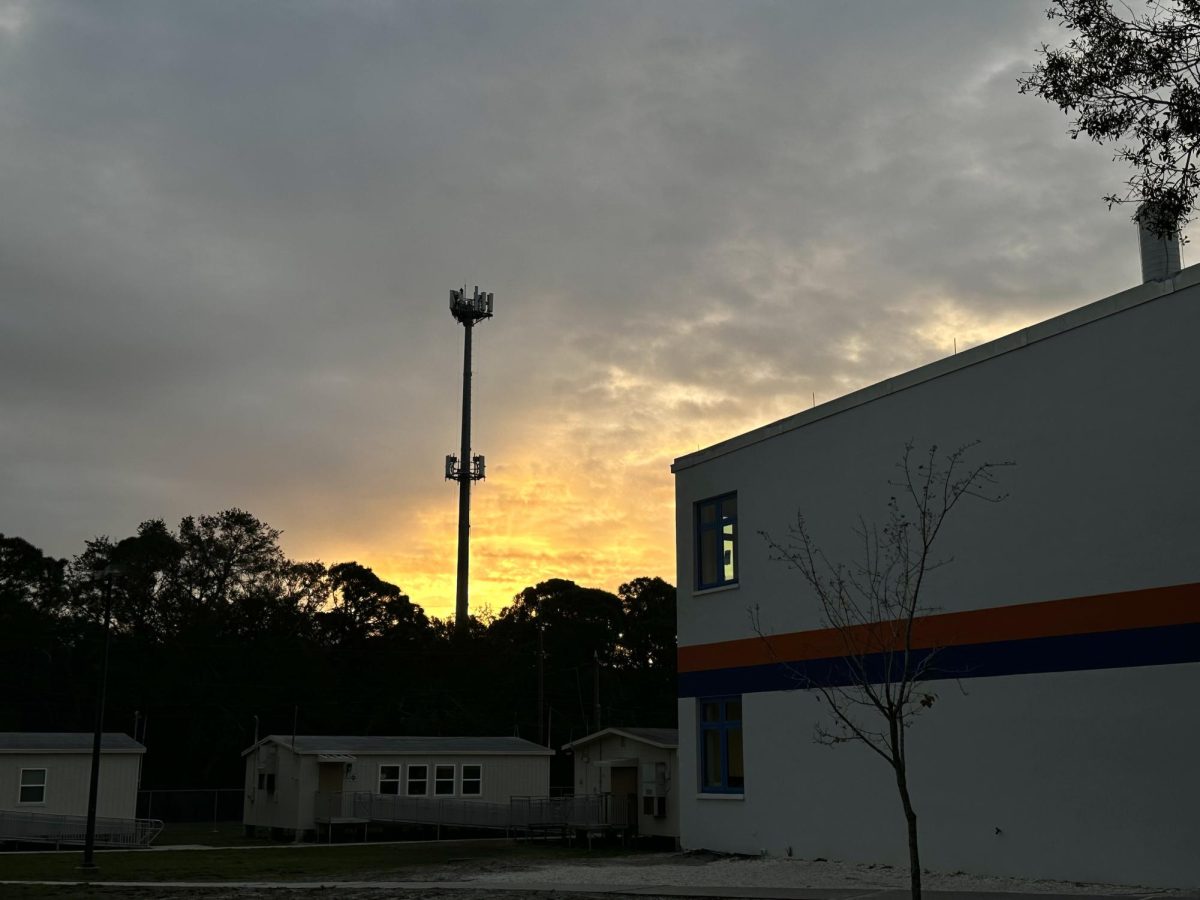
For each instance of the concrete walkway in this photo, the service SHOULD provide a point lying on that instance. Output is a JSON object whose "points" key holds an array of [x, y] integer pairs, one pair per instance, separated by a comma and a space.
{"points": [[646, 890]]}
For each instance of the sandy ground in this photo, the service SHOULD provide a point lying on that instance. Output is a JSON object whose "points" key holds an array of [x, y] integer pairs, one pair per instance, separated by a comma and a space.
{"points": [[682, 870], [482, 880]]}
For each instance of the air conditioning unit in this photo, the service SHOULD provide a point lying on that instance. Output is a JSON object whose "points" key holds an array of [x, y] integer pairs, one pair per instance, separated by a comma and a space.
{"points": [[654, 789], [654, 806]]}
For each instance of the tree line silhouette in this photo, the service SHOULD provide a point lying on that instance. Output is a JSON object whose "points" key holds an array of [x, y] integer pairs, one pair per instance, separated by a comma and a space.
{"points": [[216, 636]]}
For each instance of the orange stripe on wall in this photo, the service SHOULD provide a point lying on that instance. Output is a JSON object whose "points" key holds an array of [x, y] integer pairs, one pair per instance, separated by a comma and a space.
{"points": [[1147, 608]]}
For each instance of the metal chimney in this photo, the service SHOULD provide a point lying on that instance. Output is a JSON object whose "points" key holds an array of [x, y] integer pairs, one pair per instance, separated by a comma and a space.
{"points": [[1160, 255]]}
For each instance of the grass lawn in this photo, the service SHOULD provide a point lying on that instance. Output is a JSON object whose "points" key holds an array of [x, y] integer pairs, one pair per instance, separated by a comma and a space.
{"points": [[290, 863], [210, 834]]}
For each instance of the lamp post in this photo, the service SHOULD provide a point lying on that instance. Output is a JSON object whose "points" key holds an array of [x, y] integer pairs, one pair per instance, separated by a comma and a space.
{"points": [[89, 841]]}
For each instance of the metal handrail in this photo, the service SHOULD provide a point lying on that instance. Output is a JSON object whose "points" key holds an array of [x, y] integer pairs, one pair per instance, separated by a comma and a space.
{"points": [[47, 828], [519, 814]]}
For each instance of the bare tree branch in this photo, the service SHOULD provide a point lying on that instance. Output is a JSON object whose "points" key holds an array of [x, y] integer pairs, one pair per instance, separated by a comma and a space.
{"points": [[874, 604]]}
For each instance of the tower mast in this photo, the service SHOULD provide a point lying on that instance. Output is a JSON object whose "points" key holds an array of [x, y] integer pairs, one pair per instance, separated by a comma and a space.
{"points": [[465, 467]]}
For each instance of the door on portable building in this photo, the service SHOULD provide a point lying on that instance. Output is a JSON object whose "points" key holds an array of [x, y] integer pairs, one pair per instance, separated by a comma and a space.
{"points": [[625, 794]]}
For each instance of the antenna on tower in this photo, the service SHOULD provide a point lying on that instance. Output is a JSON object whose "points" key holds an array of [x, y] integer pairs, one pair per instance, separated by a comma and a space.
{"points": [[466, 467]]}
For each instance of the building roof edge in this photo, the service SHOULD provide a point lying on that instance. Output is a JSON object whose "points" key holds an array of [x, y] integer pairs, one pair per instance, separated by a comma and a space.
{"points": [[1040, 331]]}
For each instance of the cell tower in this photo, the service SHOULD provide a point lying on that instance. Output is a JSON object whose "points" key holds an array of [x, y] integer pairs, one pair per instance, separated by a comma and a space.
{"points": [[465, 467]]}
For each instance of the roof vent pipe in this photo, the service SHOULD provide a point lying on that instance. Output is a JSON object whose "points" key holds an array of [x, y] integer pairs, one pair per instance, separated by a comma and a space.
{"points": [[1160, 255]]}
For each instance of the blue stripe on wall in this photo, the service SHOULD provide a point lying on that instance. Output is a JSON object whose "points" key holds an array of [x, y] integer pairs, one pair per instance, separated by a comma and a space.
{"points": [[1158, 646]]}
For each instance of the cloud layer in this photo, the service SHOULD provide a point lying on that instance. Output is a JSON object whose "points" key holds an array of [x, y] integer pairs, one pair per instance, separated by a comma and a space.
{"points": [[230, 230]]}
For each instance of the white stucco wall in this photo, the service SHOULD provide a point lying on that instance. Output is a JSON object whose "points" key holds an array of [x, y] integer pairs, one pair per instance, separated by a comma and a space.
{"points": [[1086, 774], [1089, 775]]}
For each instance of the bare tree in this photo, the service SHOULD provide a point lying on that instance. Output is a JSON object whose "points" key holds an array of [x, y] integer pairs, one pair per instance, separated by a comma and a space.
{"points": [[874, 604]]}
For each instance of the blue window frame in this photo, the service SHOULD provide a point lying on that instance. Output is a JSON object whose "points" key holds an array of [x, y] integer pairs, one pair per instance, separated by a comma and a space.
{"points": [[716, 542], [719, 723]]}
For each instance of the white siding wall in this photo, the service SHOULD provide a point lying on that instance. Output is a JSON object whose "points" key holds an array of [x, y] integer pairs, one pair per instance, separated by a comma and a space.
{"points": [[292, 806], [282, 808], [504, 777], [1088, 775], [591, 778], [68, 777]]}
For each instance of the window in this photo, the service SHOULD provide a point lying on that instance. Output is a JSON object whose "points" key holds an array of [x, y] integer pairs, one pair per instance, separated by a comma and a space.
{"points": [[266, 782], [716, 542], [418, 781], [472, 781], [443, 780], [33, 786], [720, 727], [389, 779]]}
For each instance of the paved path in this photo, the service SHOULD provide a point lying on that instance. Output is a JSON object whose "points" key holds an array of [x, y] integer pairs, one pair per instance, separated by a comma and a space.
{"points": [[533, 887]]}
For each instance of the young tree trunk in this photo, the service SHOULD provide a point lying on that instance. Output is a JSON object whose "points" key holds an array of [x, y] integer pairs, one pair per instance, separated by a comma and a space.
{"points": [[910, 816]]}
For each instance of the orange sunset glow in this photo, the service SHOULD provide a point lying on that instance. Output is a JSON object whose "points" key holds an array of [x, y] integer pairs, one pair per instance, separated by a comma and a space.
{"points": [[607, 515]]}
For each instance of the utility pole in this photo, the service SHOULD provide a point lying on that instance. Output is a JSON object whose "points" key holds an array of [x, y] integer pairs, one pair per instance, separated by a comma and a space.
{"points": [[541, 685], [89, 839], [596, 687], [465, 467]]}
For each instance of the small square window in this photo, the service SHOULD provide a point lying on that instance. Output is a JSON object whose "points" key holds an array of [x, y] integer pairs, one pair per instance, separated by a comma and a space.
{"points": [[33, 786], [418, 780], [472, 781], [389, 779], [443, 780], [716, 542]]}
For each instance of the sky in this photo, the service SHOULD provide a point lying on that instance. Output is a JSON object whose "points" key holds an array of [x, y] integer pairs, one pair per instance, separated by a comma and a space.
{"points": [[228, 232]]}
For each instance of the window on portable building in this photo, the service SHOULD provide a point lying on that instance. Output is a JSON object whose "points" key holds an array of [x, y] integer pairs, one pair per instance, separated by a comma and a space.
{"points": [[443, 780], [33, 786], [716, 542], [389, 779], [418, 780], [472, 781]]}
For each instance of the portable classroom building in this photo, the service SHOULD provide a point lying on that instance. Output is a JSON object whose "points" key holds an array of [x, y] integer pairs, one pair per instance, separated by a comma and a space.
{"points": [[1072, 611], [49, 773], [284, 774], [636, 766]]}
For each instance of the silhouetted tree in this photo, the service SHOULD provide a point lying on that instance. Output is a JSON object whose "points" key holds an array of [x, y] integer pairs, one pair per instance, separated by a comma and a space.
{"points": [[365, 606], [27, 575], [214, 625], [647, 638], [1132, 78], [32, 589]]}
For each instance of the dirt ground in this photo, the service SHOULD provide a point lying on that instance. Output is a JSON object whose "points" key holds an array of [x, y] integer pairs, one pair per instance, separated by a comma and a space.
{"points": [[100, 892]]}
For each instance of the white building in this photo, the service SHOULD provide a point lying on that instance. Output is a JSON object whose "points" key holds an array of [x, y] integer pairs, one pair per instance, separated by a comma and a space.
{"points": [[1071, 749], [636, 767], [285, 775], [50, 774]]}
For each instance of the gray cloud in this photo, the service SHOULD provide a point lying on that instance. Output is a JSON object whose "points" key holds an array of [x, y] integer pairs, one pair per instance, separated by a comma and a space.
{"points": [[229, 229]]}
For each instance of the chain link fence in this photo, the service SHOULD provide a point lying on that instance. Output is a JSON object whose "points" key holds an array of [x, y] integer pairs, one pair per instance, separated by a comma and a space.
{"points": [[191, 804]]}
